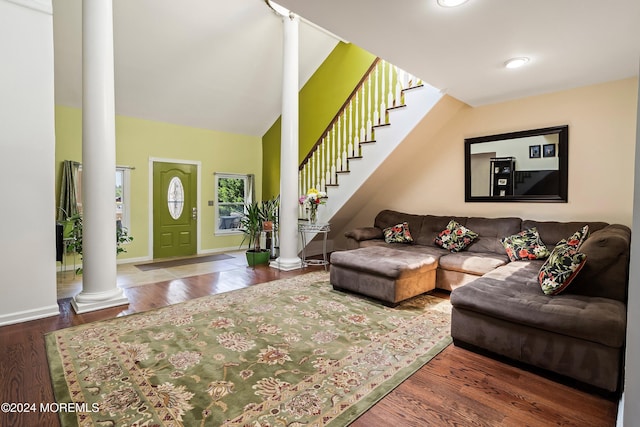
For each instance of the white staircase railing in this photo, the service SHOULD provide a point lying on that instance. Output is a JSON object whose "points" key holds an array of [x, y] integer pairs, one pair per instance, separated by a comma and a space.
{"points": [[380, 90]]}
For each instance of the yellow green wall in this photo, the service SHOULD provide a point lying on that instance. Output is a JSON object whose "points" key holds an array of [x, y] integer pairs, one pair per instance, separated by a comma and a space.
{"points": [[139, 140], [320, 99]]}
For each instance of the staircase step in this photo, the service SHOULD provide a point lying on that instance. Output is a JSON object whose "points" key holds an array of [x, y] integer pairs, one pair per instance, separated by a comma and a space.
{"points": [[381, 125]]}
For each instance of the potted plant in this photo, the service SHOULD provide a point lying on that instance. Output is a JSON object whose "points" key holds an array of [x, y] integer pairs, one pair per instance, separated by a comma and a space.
{"points": [[251, 225], [73, 232], [270, 223]]}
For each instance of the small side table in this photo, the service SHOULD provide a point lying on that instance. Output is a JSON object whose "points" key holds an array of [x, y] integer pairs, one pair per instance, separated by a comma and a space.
{"points": [[319, 228]]}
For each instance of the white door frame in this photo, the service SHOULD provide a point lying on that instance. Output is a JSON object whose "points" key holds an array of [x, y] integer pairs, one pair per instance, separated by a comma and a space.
{"points": [[198, 165]]}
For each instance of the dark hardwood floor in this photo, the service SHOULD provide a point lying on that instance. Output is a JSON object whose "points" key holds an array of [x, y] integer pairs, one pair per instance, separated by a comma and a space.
{"points": [[457, 388]]}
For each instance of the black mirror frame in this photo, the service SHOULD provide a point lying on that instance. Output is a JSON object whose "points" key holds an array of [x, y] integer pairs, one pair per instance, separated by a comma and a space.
{"points": [[563, 157]]}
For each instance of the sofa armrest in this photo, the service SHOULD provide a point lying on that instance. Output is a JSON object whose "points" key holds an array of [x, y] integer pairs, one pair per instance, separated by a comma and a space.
{"points": [[365, 233], [606, 272], [354, 237]]}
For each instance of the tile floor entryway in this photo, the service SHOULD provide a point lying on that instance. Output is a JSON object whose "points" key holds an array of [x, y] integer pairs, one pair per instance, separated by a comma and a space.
{"points": [[70, 284]]}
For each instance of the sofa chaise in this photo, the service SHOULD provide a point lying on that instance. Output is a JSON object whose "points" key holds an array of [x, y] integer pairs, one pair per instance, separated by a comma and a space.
{"points": [[498, 303]]}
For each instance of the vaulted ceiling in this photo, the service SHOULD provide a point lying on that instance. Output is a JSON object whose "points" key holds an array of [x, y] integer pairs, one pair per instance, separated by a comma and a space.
{"points": [[204, 63], [217, 64]]}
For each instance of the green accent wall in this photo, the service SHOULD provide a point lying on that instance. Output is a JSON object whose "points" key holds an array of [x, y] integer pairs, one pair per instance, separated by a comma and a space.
{"points": [[139, 140], [320, 99]]}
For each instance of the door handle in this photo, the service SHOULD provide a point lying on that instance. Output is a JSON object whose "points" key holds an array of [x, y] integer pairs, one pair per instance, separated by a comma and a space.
{"points": [[194, 213]]}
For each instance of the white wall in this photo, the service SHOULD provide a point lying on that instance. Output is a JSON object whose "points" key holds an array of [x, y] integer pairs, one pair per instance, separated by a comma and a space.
{"points": [[631, 409], [27, 143]]}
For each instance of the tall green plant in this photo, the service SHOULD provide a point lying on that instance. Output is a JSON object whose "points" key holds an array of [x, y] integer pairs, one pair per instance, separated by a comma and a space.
{"points": [[75, 237], [251, 224]]}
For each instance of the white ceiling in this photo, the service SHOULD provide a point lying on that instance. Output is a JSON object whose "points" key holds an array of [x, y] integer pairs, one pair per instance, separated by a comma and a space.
{"points": [[204, 63], [462, 50], [217, 64]]}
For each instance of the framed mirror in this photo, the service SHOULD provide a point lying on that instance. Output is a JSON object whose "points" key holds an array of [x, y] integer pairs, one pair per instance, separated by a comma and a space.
{"points": [[524, 166]]}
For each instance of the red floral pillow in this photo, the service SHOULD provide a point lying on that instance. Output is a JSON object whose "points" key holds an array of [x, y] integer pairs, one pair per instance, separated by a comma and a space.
{"points": [[564, 263], [525, 245], [399, 233], [455, 237]]}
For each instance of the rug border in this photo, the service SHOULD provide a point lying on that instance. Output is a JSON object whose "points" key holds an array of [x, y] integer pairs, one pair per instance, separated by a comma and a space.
{"points": [[352, 413]]}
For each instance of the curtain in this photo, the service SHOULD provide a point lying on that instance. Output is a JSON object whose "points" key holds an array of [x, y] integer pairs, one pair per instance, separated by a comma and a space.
{"points": [[68, 205], [251, 183]]}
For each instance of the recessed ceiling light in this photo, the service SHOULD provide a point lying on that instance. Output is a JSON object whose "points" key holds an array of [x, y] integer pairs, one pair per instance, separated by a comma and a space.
{"points": [[451, 3], [516, 62]]}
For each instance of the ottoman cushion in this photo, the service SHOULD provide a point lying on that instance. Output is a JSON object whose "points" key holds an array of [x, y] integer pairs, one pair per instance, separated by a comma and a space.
{"points": [[382, 261], [390, 275]]}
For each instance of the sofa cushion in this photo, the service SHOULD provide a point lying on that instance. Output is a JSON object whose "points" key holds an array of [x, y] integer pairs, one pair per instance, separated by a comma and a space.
{"points": [[455, 237], [512, 293], [525, 245], [398, 233], [490, 231], [560, 269], [477, 263]]}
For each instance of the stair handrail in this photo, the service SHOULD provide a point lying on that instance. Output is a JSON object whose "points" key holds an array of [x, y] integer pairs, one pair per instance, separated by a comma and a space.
{"points": [[325, 161], [340, 111]]}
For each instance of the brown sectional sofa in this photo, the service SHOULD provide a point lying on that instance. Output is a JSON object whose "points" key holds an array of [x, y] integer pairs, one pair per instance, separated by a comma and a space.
{"points": [[498, 305]]}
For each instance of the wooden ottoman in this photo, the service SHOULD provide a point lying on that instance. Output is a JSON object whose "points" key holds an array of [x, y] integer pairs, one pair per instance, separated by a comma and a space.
{"points": [[387, 274]]}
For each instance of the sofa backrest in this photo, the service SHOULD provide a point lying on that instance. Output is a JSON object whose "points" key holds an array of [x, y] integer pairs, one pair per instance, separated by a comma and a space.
{"points": [[432, 225], [551, 232], [389, 218], [490, 231]]}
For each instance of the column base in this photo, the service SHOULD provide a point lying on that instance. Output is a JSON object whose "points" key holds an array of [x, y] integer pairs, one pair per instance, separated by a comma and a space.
{"points": [[286, 264], [86, 302]]}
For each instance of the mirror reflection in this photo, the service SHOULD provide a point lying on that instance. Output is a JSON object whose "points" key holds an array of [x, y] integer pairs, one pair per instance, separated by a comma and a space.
{"points": [[528, 165]]}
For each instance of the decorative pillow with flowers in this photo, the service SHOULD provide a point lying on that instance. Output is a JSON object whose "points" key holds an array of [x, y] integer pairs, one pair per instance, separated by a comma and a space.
{"points": [[525, 245], [455, 237], [564, 263], [399, 233], [577, 239]]}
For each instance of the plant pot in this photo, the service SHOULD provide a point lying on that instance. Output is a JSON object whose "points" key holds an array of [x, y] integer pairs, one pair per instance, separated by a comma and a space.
{"points": [[257, 258]]}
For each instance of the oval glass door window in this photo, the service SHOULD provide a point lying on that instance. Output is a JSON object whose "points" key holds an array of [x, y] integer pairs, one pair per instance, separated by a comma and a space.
{"points": [[175, 197]]}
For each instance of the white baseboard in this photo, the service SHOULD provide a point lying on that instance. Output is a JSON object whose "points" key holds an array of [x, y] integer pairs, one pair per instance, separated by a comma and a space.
{"points": [[27, 315], [221, 250], [620, 418]]}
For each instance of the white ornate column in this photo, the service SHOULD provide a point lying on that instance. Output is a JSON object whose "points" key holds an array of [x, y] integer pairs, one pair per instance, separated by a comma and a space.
{"points": [[288, 259], [99, 289]]}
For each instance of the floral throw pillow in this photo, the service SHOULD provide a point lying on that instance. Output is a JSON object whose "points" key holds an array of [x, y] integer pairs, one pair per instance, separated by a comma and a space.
{"points": [[399, 233], [576, 240], [525, 245], [560, 269], [455, 237]]}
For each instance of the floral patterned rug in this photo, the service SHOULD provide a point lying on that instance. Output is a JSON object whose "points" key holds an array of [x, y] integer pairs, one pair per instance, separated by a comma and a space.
{"points": [[290, 352]]}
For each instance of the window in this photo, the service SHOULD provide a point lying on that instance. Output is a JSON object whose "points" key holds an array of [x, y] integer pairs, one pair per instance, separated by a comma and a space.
{"points": [[232, 192], [122, 193]]}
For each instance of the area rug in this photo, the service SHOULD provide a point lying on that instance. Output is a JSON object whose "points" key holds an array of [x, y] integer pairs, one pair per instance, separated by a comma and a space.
{"points": [[290, 352], [182, 261]]}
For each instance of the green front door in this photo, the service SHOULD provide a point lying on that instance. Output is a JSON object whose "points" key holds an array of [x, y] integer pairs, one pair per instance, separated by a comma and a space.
{"points": [[174, 209]]}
